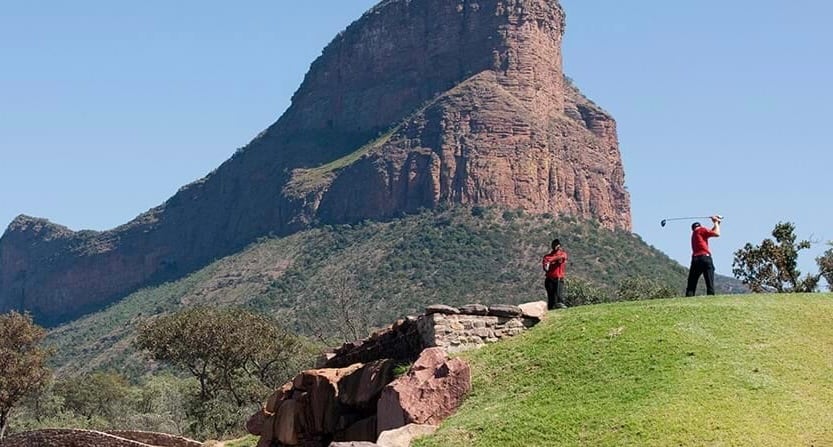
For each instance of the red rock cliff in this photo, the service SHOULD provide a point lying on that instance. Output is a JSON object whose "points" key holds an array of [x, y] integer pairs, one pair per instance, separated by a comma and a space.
{"points": [[417, 103]]}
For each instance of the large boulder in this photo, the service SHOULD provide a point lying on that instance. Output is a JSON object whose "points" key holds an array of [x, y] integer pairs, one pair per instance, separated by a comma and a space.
{"points": [[475, 309], [361, 388], [431, 391], [256, 422], [402, 436], [505, 310], [441, 309], [535, 310], [363, 430], [321, 392]]}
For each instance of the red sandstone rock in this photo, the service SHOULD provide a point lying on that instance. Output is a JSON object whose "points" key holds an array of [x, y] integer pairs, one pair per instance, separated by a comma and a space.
{"points": [[479, 113], [363, 430], [321, 386], [287, 427], [277, 397], [431, 391], [255, 423], [361, 388]]}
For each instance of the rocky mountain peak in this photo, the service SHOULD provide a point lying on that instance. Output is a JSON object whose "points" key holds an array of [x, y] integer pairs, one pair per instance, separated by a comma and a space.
{"points": [[417, 104]]}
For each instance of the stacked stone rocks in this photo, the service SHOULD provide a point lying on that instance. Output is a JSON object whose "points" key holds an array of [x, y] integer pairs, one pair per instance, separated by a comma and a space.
{"points": [[362, 401], [475, 325]]}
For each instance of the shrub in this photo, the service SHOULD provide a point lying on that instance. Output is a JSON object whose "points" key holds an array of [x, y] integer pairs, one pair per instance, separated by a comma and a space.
{"points": [[580, 292], [640, 288]]}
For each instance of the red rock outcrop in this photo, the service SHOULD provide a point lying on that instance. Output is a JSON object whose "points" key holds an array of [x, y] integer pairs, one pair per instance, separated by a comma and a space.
{"points": [[416, 104], [320, 405], [431, 391], [359, 402]]}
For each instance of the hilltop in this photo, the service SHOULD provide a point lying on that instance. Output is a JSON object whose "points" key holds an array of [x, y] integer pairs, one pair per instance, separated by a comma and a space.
{"points": [[748, 370]]}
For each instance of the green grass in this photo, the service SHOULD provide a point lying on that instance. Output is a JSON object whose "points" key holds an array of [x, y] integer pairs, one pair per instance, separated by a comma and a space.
{"points": [[726, 371], [305, 180]]}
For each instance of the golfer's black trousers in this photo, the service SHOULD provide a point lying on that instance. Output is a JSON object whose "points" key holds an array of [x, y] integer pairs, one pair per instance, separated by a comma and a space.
{"points": [[555, 292], [700, 265]]}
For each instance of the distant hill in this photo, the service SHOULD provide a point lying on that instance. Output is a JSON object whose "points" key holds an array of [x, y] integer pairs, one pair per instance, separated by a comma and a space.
{"points": [[373, 273], [750, 370]]}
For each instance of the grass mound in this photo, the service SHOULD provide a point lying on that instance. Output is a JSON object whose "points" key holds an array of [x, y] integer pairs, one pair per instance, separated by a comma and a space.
{"points": [[743, 370]]}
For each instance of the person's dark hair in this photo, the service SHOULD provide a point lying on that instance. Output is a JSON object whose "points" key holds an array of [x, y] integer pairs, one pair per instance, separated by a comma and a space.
{"points": [[695, 225], [555, 243]]}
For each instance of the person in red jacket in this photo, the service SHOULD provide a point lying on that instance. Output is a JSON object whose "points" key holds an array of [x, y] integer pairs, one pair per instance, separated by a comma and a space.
{"points": [[701, 257], [554, 264]]}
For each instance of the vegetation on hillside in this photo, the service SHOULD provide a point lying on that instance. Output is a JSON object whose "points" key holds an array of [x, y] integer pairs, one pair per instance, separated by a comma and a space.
{"points": [[234, 356], [109, 401], [743, 371], [23, 368], [368, 275]]}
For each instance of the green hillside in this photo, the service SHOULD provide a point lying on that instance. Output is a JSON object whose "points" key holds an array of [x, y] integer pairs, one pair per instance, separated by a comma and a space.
{"points": [[753, 370], [374, 273]]}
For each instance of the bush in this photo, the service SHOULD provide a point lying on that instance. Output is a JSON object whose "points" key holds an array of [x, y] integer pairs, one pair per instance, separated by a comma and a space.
{"points": [[580, 292], [640, 288]]}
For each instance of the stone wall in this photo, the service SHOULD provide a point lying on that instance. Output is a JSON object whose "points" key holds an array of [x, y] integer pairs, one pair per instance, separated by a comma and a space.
{"points": [[451, 328], [400, 341], [457, 333]]}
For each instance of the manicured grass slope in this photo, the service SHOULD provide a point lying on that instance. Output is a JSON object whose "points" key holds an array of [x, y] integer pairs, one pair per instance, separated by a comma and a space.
{"points": [[726, 371]]}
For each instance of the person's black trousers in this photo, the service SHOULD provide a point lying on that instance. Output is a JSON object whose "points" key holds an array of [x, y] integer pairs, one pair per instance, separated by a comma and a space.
{"points": [[700, 265], [555, 292]]}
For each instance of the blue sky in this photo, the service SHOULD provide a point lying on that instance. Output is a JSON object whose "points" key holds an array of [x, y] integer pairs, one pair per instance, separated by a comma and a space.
{"points": [[107, 108]]}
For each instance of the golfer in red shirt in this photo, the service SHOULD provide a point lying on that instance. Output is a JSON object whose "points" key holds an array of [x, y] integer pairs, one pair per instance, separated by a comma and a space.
{"points": [[701, 257], [554, 264]]}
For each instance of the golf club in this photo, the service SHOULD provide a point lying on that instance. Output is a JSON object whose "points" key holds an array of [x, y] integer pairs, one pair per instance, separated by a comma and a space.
{"points": [[663, 221]]}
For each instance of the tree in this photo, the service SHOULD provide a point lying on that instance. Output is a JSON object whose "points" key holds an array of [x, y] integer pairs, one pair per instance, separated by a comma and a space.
{"points": [[343, 312], [825, 263], [22, 362], [104, 395], [161, 404], [773, 265], [225, 350]]}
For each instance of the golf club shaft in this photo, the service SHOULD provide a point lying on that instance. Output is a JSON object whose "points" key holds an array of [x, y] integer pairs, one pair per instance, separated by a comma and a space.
{"points": [[694, 217]]}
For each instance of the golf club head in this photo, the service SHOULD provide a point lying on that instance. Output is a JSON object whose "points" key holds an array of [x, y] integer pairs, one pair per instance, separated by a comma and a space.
{"points": [[662, 223]]}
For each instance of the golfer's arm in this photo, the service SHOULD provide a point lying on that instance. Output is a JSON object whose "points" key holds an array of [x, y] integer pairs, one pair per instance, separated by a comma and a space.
{"points": [[716, 229]]}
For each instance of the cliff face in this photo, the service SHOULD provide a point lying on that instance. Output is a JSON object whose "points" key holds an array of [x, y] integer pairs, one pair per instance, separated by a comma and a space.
{"points": [[416, 104]]}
